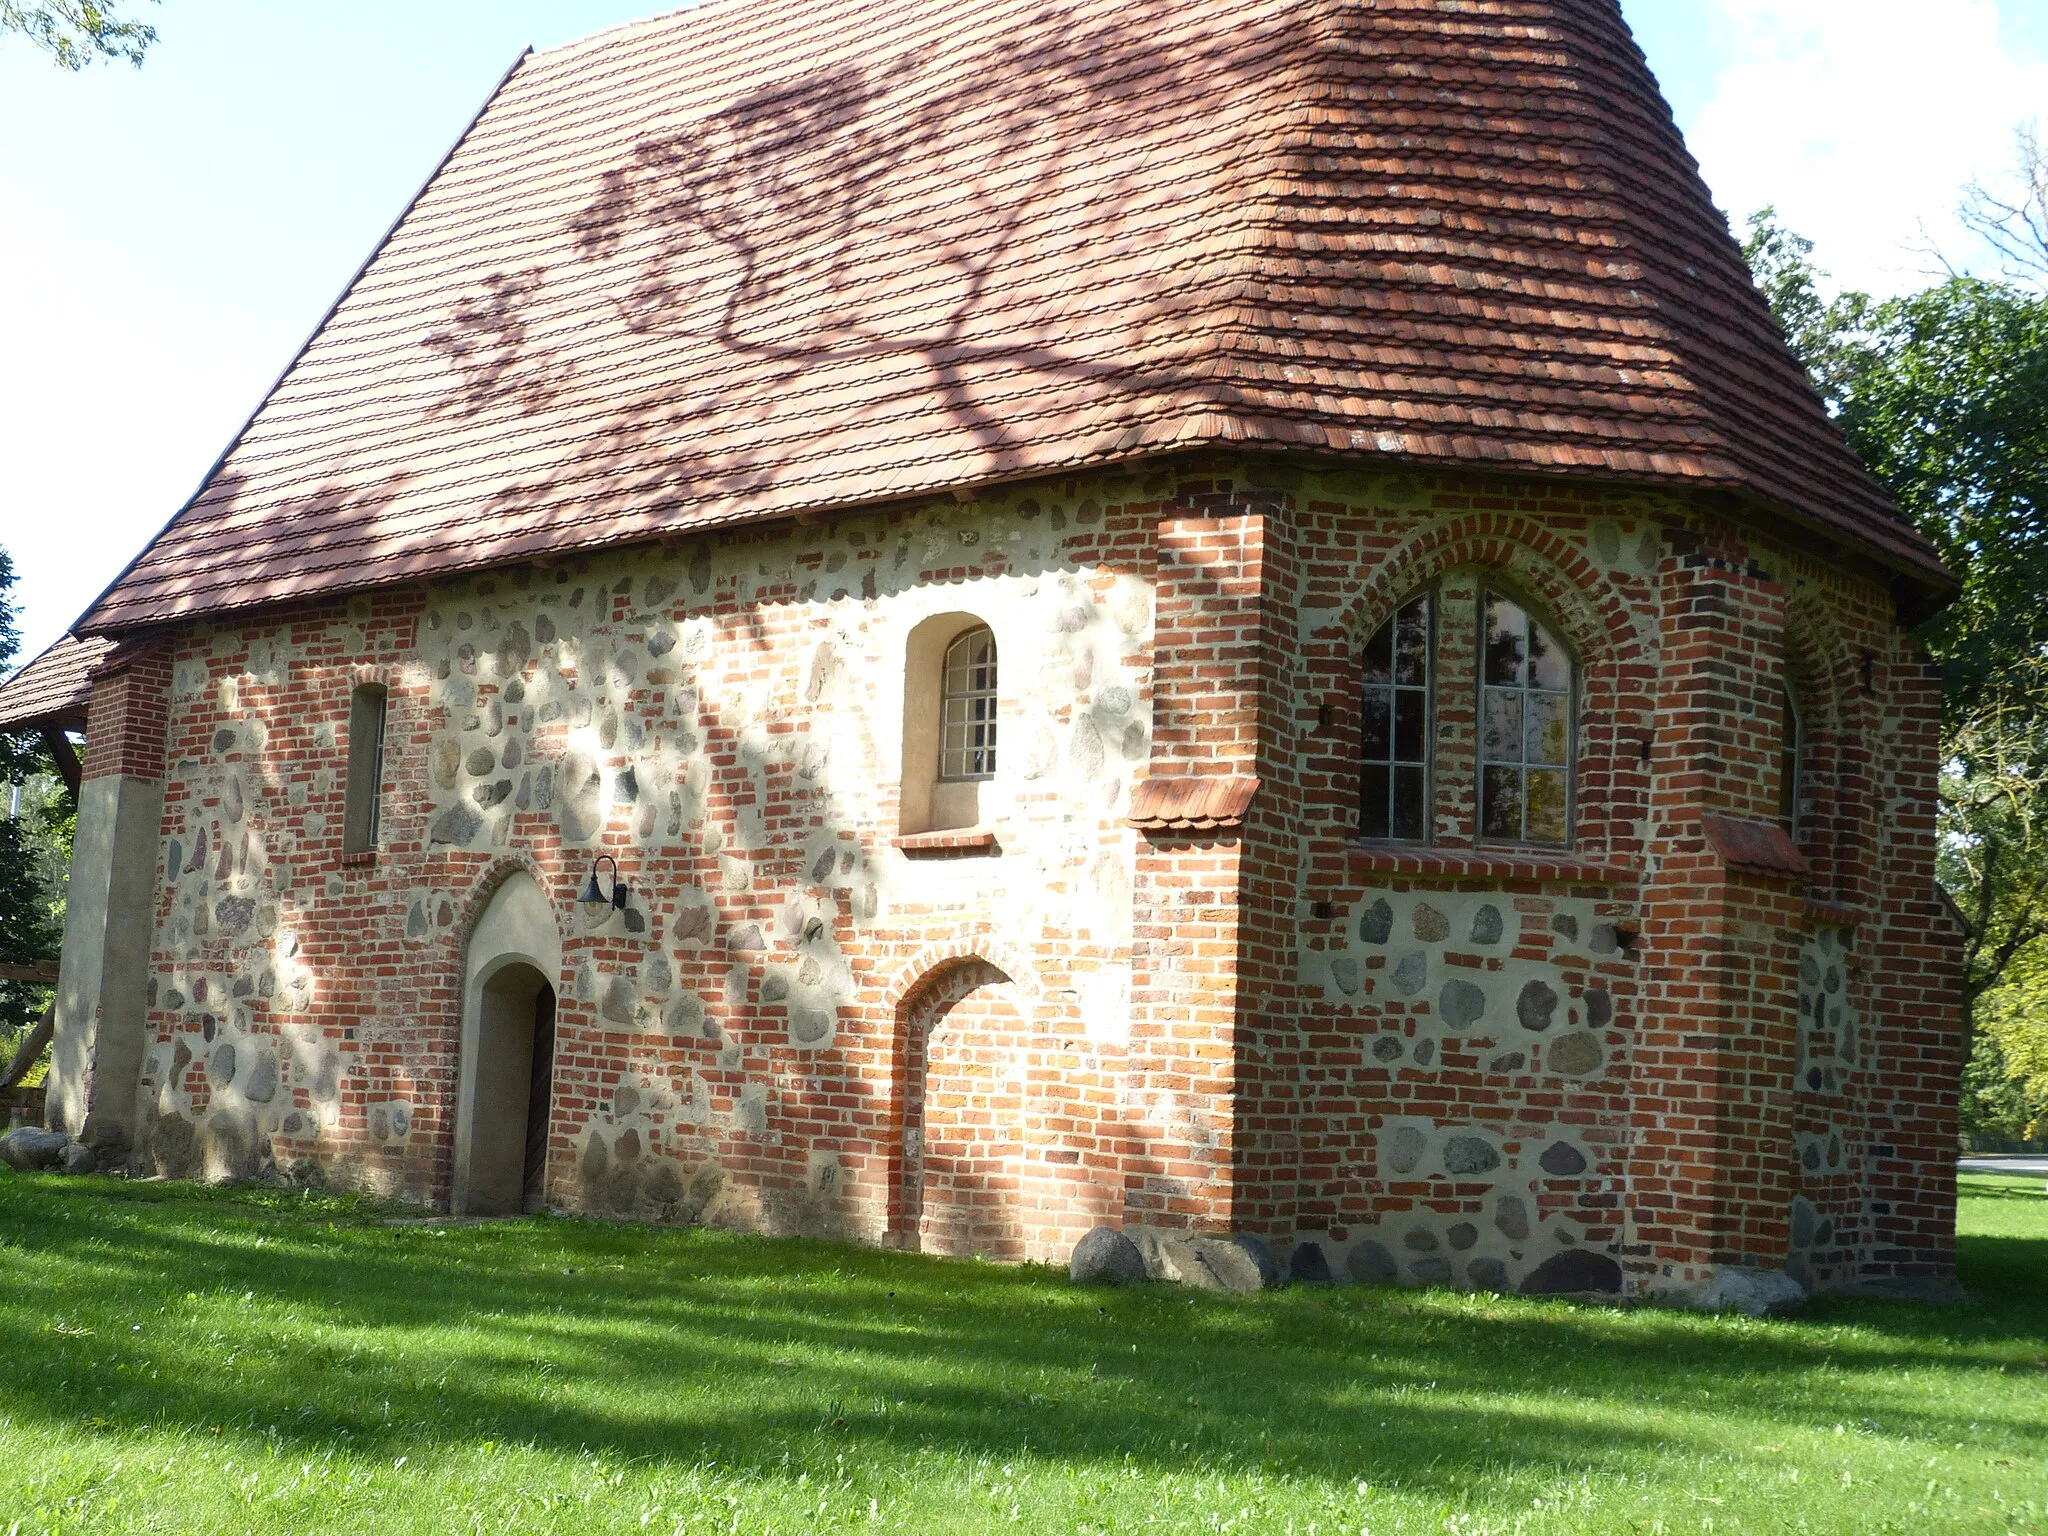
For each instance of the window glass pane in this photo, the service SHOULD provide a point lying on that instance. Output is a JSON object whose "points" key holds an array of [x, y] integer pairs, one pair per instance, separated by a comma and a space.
{"points": [[1379, 729], [1379, 655], [1411, 650], [1525, 727], [1503, 641], [1548, 716], [1500, 732], [1411, 812], [1546, 797], [1410, 713], [1500, 802], [1395, 725], [1372, 817], [1549, 666], [1788, 765], [967, 708]]}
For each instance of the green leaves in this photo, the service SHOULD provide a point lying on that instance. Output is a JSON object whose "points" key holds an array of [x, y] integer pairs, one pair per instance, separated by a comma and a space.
{"points": [[1943, 394], [76, 32]]}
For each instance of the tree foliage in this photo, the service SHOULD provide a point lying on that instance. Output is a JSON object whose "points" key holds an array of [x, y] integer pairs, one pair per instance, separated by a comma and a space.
{"points": [[34, 816], [1944, 396], [77, 32]]}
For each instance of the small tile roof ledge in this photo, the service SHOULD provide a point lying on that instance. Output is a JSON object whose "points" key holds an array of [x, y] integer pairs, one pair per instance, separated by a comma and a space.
{"points": [[1191, 802], [1755, 848]]}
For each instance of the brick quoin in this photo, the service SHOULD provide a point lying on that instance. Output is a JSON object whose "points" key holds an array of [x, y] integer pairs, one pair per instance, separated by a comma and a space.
{"points": [[1622, 1065]]}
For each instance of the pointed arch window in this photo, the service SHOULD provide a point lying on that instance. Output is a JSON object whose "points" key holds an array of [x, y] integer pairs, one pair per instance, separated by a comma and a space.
{"points": [[1527, 709], [1791, 749], [1394, 776], [363, 789]]}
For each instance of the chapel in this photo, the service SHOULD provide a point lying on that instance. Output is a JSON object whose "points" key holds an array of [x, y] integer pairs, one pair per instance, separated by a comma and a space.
{"points": [[948, 625]]}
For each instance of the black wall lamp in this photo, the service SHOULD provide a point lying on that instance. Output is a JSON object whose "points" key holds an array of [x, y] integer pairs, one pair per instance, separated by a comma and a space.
{"points": [[596, 897]]}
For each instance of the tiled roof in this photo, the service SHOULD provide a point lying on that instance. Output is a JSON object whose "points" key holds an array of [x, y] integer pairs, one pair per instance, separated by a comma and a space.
{"points": [[52, 690], [763, 257]]}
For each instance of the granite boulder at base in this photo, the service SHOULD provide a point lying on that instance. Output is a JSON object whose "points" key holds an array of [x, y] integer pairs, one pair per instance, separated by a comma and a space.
{"points": [[1755, 1291], [1239, 1263], [1106, 1257], [30, 1150]]}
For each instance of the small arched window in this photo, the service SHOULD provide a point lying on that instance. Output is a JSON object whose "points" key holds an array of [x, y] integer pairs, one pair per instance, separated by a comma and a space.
{"points": [[1394, 763], [967, 709], [949, 723], [1791, 748], [1526, 729]]}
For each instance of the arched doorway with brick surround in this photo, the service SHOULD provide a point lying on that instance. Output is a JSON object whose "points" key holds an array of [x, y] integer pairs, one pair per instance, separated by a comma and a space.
{"points": [[504, 1092], [962, 1058]]}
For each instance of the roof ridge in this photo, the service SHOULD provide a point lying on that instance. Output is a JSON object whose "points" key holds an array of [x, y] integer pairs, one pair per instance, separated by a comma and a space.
{"points": [[606, 36], [753, 256]]}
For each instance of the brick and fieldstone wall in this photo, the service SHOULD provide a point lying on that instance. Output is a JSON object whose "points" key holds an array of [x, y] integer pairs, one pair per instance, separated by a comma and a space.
{"points": [[1474, 1066]]}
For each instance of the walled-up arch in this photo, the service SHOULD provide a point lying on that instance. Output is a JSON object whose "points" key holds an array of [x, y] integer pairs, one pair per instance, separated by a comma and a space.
{"points": [[962, 1056], [1837, 795], [512, 967]]}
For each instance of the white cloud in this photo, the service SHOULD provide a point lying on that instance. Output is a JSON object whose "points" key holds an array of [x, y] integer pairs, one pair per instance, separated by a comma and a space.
{"points": [[1862, 121]]}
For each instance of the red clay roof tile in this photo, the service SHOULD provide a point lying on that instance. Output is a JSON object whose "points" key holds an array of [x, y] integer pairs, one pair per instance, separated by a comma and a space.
{"points": [[1755, 847], [1191, 802], [763, 257], [53, 688]]}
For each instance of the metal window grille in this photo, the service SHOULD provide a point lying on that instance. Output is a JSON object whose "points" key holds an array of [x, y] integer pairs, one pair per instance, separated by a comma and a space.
{"points": [[1395, 757], [967, 717], [1526, 727]]}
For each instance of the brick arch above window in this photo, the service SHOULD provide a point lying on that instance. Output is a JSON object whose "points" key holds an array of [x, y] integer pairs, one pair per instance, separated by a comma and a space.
{"points": [[933, 960], [1823, 670], [1536, 565], [473, 903]]}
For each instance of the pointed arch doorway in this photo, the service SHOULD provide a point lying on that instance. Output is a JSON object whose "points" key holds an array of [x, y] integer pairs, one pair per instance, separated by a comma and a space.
{"points": [[505, 1089]]}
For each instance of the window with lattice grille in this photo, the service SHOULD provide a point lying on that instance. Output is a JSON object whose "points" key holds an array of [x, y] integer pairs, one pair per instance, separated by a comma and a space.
{"points": [[967, 710], [1394, 769], [1526, 731]]}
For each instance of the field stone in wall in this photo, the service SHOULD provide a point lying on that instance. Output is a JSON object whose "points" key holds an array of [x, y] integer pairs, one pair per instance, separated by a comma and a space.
{"points": [[1575, 1055]]}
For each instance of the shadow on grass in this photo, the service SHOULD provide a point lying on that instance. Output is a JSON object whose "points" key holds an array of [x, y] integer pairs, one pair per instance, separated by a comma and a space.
{"points": [[317, 1322]]}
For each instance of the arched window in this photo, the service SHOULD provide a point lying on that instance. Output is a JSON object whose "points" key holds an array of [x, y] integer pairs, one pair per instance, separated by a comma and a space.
{"points": [[1526, 729], [949, 723], [1394, 764], [1791, 747], [967, 710]]}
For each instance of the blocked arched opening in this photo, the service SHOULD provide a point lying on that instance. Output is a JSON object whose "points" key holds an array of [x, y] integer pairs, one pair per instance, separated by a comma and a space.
{"points": [[1830, 814], [505, 1084], [961, 1056]]}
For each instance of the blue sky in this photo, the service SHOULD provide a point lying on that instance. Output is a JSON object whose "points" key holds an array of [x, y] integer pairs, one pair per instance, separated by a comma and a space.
{"points": [[168, 236]]}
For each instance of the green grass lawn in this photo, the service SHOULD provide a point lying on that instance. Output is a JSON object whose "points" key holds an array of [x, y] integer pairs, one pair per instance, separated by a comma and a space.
{"points": [[179, 1359]]}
